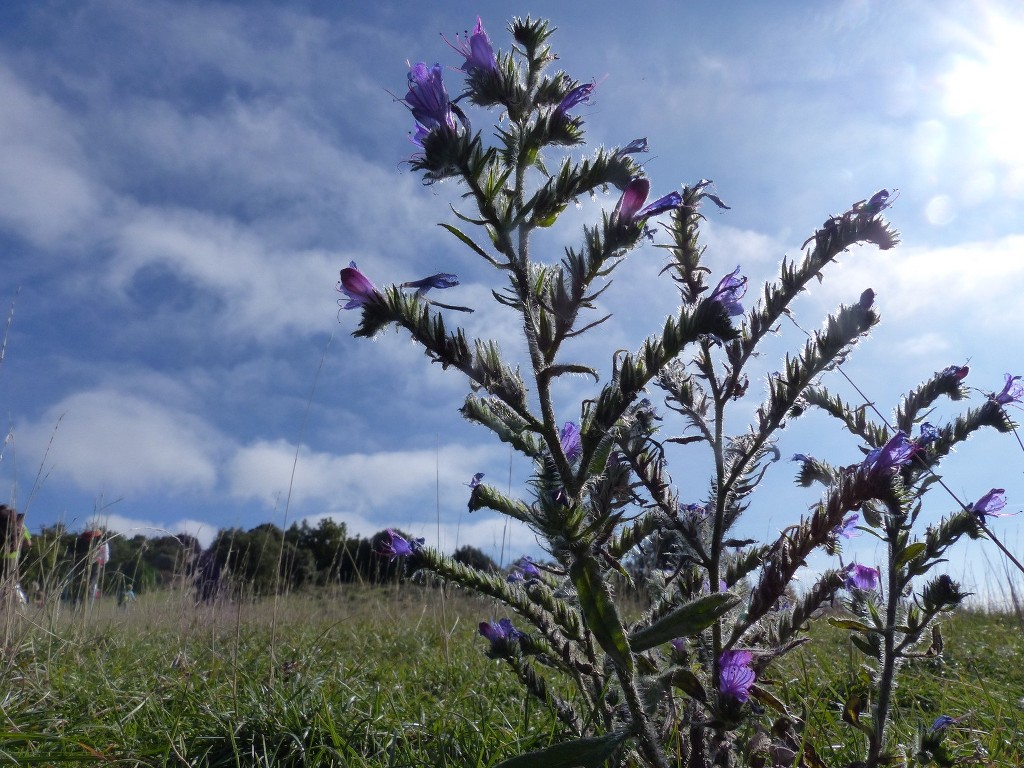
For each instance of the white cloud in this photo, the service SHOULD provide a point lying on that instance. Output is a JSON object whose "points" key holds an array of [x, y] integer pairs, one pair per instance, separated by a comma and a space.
{"points": [[130, 526], [117, 442], [729, 246], [974, 284], [45, 192], [360, 481], [264, 292]]}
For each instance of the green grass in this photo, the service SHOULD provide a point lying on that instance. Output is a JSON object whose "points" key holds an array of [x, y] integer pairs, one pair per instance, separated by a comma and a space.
{"points": [[362, 678], [392, 678], [979, 677]]}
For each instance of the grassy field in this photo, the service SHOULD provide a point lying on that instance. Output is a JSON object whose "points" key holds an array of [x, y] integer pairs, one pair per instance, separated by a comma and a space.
{"points": [[396, 677]]}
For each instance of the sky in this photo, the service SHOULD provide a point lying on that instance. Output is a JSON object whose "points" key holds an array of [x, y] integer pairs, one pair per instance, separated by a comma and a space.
{"points": [[180, 183]]}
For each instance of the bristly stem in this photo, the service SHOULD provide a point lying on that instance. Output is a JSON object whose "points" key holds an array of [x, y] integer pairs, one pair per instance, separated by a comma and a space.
{"points": [[887, 674]]}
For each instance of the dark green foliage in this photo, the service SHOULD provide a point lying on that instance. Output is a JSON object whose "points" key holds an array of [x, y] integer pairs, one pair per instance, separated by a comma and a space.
{"points": [[474, 557]]}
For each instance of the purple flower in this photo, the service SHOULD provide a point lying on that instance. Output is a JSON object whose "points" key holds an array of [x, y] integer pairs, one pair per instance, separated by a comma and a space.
{"points": [[1012, 392], [944, 721], [958, 372], [736, 678], [801, 457], [579, 94], [530, 570], [476, 48], [867, 298], [357, 287], [428, 99], [729, 292], [419, 135], [989, 504], [929, 434], [694, 510], [879, 202], [397, 546], [629, 210], [862, 577], [633, 197], [895, 453], [475, 480], [848, 528], [440, 281], [722, 586], [636, 145], [515, 577], [499, 633], [664, 203], [570, 440]]}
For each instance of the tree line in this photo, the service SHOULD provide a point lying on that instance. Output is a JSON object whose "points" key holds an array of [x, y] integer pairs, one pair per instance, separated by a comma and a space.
{"points": [[254, 562]]}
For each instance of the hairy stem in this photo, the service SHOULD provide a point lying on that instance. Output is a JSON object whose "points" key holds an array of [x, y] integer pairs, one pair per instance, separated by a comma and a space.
{"points": [[887, 676]]}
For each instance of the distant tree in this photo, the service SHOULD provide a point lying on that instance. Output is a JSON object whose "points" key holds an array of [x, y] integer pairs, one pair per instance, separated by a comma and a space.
{"points": [[298, 567], [46, 564], [475, 558], [383, 569], [326, 544], [357, 561]]}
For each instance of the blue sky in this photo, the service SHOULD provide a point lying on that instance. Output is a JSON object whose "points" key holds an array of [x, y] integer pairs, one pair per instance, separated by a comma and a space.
{"points": [[180, 183]]}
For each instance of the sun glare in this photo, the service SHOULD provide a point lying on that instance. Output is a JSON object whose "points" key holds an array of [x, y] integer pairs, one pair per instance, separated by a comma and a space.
{"points": [[983, 86]]}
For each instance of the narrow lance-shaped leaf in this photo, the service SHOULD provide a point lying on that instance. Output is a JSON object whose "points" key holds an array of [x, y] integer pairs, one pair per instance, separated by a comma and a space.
{"points": [[685, 621], [908, 554], [600, 612], [468, 241]]}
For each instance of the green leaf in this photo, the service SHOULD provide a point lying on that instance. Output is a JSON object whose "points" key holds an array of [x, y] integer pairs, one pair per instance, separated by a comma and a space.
{"points": [[599, 611], [553, 371], [689, 683], [856, 626], [865, 647], [768, 699], [910, 553], [590, 752], [855, 704], [685, 621], [549, 219], [468, 241]]}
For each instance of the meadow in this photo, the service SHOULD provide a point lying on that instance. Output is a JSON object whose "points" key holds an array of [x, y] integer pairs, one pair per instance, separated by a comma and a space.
{"points": [[397, 676]]}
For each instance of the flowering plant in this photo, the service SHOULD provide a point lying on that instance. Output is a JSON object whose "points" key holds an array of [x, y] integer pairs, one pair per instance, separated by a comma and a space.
{"points": [[685, 683]]}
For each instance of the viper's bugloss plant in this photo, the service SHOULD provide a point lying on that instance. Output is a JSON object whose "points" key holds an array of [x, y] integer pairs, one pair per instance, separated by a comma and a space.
{"points": [[688, 682]]}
